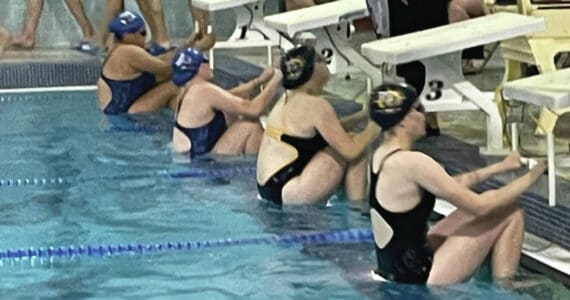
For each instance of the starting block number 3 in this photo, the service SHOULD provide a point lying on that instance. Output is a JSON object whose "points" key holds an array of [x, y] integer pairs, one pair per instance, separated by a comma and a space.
{"points": [[435, 87]]}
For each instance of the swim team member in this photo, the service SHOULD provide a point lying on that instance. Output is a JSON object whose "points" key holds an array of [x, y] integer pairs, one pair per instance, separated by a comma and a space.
{"points": [[209, 118], [306, 151], [404, 186]]}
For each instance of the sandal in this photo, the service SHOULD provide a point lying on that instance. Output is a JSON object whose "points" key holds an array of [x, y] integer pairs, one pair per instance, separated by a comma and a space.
{"points": [[87, 47]]}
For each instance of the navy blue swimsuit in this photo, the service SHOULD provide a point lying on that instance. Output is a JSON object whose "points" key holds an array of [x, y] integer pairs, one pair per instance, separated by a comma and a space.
{"points": [[204, 138], [408, 256], [125, 92], [306, 149]]}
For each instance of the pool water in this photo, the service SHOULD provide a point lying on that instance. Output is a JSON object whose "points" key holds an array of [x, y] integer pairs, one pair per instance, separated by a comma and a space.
{"points": [[123, 200]]}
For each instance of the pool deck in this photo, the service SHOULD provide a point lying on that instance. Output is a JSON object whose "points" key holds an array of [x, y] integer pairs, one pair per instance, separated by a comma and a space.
{"points": [[547, 242]]}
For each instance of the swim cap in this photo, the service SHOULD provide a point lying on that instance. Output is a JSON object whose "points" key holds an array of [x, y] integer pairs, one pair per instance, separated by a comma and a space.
{"points": [[126, 22], [298, 65], [185, 65], [390, 103]]}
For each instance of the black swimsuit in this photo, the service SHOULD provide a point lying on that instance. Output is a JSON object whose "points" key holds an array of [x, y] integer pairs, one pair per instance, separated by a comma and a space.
{"points": [[306, 149], [407, 257]]}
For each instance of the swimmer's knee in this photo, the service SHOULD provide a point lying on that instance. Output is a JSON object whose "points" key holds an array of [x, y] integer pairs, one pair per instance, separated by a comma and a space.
{"points": [[251, 126], [517, 215]]}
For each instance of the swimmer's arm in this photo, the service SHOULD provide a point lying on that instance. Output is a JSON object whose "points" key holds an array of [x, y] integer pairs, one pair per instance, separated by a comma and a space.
{"points": [[470, 179], [351, 121], [243, 90], [229, 103], [348, 146], [144, 62], [428, 174]]}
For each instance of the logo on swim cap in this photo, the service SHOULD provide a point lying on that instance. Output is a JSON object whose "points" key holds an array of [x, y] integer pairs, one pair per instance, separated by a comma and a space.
{"points": [[183, 62], [294, 68], [390, 101], [127, 17]]}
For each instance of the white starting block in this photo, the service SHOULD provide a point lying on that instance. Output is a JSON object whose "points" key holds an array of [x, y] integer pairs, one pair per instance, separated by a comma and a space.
{"points": [[332, 24], [249, 31], [439, 50], [550, 90]]}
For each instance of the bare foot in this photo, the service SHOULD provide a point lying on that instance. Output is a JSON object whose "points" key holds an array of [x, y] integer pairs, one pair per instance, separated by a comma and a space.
{"points": [[24, 41], [5, 40]]}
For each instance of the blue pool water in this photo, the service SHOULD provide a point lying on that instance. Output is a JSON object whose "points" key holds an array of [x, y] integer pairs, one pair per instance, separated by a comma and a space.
{"points": [[63, 135]]}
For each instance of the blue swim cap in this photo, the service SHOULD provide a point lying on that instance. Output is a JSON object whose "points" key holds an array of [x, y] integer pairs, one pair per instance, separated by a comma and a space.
{"points": [[390, 103], [185, 65], [126, 22]]}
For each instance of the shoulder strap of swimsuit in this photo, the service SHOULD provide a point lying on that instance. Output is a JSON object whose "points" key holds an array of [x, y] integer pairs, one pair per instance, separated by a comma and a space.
{"points": [[277, 132], [179, 100], [107, 58], [386, 157]]}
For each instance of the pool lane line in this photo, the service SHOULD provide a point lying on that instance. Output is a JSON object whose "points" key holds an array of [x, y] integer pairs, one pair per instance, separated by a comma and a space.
{"points": [[326, 237], [179, 174], [76, 88]]}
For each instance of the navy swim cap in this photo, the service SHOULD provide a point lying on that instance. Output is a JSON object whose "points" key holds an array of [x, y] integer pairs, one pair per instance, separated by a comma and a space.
{"points": [[390, 103], [126, 22], [298, 65], [186, 64]]}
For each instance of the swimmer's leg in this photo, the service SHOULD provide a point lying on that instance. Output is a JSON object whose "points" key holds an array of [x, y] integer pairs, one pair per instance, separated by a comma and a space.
{"points": [[462, 242], [162, 95], [5, 39], [153, 13], [78, 11], [200, 16], [318, 181], [112, 9], [27, 39], [242, 137], [356, 179]]}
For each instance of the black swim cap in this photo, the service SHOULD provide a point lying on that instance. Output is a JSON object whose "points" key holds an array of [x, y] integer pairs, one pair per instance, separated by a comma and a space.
{"points": [[298, 65], [390, 103]]}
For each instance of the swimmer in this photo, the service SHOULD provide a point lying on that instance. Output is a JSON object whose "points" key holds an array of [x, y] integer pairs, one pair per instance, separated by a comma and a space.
{"points": [[211, 119], [306, 150], [130, 77], [404, 186]]}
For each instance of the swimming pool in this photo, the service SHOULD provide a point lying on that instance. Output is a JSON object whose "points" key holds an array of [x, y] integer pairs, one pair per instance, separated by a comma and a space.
{"points": [[112, 191]]}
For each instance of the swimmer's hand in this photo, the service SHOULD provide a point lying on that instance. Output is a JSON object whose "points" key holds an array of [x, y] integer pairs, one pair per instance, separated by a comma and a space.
{"points": [[539, 168], [512, 161], [277, 75], [194, 37], [266, 74]]}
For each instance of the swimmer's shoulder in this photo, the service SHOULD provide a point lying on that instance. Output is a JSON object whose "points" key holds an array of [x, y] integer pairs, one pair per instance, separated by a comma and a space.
{"points": [[402, 160]]}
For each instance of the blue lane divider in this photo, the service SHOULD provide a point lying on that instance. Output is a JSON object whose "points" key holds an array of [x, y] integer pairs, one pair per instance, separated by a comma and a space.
{"points": [[341, 236], [190, 173]]}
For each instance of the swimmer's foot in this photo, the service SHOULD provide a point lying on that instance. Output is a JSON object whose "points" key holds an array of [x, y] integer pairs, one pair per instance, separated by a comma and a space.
{"points": [[5, 40], [24, 41]]}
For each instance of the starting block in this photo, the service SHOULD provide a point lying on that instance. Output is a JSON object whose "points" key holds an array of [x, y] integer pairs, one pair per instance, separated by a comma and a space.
{"points": [[538, 49], [439, 50], [550, 90], [332, 24], [249, 31]]}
